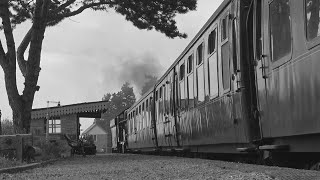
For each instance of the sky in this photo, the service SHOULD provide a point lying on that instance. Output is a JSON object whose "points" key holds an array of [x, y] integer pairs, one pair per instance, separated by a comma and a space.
{"points": [[94, 53]]}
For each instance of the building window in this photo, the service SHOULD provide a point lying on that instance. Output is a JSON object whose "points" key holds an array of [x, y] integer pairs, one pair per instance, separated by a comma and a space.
{"points": [[312, 18], [95, 139], [280, 29], [54, 126]]}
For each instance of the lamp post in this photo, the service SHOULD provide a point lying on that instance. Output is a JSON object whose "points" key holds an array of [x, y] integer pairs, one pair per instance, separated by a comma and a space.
{"points": [[48, 117]]}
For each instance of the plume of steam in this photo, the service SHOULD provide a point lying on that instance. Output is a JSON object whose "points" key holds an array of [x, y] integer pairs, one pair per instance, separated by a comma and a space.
{"points": [[135, 70]]}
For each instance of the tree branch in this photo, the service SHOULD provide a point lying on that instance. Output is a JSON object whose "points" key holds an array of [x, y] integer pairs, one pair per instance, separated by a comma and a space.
{"points": [[2, 55], [21, 50], [63, 6], [5, 16], [82, 8]]}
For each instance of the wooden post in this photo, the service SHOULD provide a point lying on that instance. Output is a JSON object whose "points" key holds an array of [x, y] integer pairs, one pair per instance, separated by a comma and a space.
{"points": [[19, 147]]}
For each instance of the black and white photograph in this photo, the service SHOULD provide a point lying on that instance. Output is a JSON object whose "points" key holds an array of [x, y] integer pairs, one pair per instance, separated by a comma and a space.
{"points": [[160, 89]]}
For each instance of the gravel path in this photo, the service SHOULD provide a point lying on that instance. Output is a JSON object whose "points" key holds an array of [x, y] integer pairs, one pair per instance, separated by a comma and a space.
{"points": [[119, 166]]}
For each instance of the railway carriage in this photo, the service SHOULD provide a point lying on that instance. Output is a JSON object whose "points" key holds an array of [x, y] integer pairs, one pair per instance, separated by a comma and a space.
{"points": [[119, 131], [141, 129], [248, 82]]}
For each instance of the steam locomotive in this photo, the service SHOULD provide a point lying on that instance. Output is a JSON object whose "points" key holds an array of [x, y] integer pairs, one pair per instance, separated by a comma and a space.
{"points": [[248, 83]]}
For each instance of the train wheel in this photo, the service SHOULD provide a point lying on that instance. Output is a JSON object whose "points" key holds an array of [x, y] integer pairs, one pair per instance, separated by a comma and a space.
{"points": [[315, 167]]}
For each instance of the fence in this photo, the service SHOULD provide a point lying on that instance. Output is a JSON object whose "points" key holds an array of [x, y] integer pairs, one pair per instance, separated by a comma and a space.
{"points": [[13, 145]]}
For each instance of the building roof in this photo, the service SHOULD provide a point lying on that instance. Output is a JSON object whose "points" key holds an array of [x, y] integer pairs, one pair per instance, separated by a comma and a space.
{"points": [[87, 109], [95, 124]]}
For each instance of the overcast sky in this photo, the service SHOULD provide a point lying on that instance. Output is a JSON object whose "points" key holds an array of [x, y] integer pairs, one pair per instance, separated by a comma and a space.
{"points": [[94, 53]]}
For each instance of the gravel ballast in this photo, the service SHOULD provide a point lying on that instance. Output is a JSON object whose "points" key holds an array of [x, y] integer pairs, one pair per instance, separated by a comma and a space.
{"points": [[128, 166]]}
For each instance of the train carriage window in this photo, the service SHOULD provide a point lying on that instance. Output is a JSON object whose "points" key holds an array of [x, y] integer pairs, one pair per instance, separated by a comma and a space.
{"points": [[200, 54], [133, 122], [143, 107], [190, 64], [213, 65], [147, 113], [280, 29], [312, 18], [182, 71], [165, 96], [224, 28], [190, 81], [147, 105], [182, 88], [225, 54], [212, 41], [200, 73]]}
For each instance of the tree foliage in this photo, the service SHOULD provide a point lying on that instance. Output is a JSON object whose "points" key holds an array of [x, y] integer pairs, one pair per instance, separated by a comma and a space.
{"points": [[144, 14], [151, 81], [119, 101]]}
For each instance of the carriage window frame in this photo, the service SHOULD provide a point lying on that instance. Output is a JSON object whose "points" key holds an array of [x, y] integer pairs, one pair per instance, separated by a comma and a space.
{"points": [[279, 62], [160, 92], [143, 108], [214, 29], [190, 68], [202, 54], [220, 44], [198, 65], [215, 51], [147, 104], [182, 73], [190, 72], [312, 42], [225, 17]]}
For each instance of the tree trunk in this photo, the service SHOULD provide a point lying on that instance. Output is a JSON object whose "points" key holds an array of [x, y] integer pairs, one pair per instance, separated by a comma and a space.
{"points": [[21, 107], [0, 123]]}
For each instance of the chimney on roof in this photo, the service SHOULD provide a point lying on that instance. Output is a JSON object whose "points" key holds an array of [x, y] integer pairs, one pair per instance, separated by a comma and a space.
{"points": [[95, 120]]}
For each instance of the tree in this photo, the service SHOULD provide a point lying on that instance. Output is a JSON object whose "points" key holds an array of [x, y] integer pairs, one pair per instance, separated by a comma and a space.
{"points": [[119, 101], [0, 123], [151, 81], [144, 14]]}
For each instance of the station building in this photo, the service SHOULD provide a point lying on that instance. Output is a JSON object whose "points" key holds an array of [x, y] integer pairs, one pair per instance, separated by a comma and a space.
{"points": [[54, 122]]}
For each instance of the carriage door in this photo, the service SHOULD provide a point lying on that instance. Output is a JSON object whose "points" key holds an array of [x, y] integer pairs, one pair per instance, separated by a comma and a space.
{"points": [[169, 117], [179, 100], [273, 49]]}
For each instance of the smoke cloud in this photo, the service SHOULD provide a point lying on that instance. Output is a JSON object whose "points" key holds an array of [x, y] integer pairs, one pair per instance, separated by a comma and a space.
{"points": [[133, 69]]}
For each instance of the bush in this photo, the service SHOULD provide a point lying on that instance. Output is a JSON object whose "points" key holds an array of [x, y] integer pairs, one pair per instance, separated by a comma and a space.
{"points": [[53, 149], [7, 127]]}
